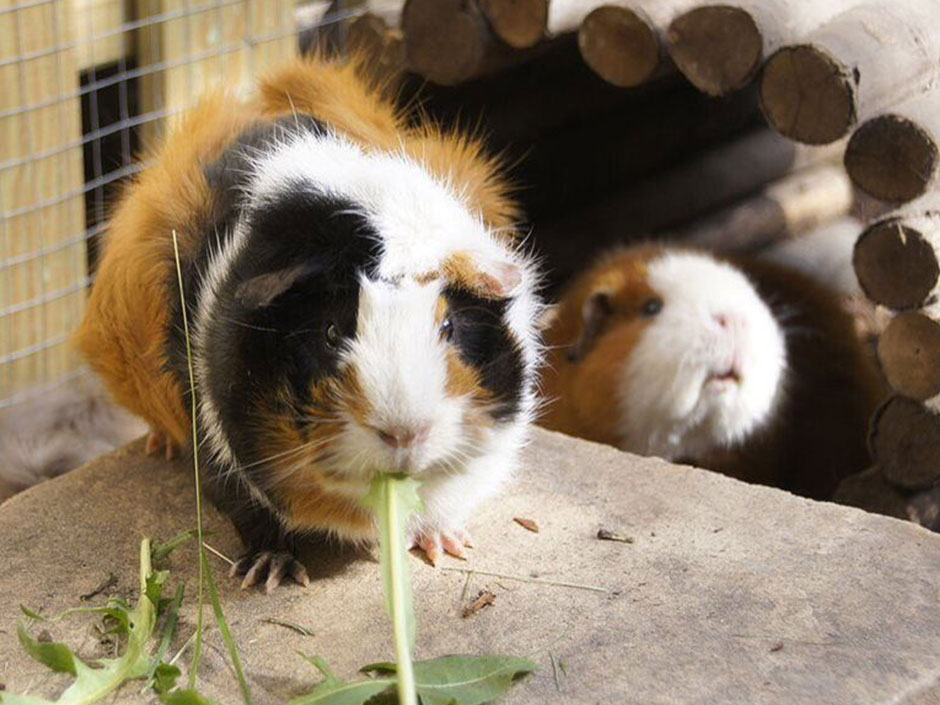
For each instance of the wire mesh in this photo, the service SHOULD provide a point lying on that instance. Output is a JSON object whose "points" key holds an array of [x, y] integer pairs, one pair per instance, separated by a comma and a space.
{"points": [[85, 87]]}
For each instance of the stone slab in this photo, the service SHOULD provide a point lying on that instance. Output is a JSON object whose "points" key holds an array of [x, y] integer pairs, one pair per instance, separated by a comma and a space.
{"points": [[728, 594]]}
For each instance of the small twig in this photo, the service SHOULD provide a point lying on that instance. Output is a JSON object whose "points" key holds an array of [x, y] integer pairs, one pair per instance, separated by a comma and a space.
{"points": [[288, 625], [484, 599], [608, 535], [529, 524], [183, 648], [466, 587], [524, 579], [218, 553], [555, 671]]}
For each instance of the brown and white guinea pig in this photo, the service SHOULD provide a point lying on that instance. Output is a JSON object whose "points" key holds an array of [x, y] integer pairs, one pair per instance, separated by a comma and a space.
{"points": [[746, 368], [357, 304]]}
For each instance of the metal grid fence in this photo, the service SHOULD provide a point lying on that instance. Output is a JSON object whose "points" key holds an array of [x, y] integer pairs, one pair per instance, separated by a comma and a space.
{"points": [[84, 86]]}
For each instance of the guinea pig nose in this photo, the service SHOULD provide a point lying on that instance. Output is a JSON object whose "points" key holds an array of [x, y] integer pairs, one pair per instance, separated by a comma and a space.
{"points": [[722, 320], [403, 436]]}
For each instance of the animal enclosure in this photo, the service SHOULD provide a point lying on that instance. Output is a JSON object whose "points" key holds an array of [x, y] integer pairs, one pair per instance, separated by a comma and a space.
{"points": [[733, 127]]}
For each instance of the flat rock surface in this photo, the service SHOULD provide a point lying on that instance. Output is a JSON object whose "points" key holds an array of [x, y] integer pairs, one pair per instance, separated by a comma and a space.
{"points": [[727, 594]]}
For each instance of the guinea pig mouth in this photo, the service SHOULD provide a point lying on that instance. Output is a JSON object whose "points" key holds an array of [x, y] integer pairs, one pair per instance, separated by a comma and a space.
{"points": [[726, 377]]}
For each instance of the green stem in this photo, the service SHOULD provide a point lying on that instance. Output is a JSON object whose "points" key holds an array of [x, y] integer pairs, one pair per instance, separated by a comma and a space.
{"points": [[406, 679], [197, 650]]}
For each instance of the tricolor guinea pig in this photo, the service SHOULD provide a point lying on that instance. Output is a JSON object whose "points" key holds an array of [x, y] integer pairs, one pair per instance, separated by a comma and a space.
{"points": [[746, 368], [356, 301]]}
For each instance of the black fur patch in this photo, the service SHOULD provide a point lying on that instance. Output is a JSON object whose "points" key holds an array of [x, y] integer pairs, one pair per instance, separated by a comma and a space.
{"points": [[227, 177], [486, 344], [256, 350]]}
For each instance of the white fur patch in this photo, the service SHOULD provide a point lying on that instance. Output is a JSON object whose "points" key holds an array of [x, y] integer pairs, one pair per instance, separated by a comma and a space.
{"points": [[398, 354], [673, 398]]}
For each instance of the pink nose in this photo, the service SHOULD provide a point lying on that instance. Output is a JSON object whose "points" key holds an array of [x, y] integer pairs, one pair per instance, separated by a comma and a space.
{"points": [[402, 436]]}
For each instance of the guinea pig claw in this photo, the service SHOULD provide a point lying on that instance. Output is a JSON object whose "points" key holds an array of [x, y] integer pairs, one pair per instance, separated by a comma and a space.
{"points": [[436, 543], [453, 546], [271, 568], [260, 565]]}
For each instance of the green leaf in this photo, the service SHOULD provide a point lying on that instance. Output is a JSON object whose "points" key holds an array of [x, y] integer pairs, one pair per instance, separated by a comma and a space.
{"points": [[169, 630], [93, 683], [457, 680], [333, 691], [467, 680], [57, 657], [185, 697], [320, 664], [163, 550], [32, 615], [224, 629], [164, 678]]}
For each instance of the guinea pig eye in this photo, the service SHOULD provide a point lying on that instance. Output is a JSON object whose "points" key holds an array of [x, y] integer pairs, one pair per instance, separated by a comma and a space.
{"points": [[447, 329], [332, 336], [652, 306]]}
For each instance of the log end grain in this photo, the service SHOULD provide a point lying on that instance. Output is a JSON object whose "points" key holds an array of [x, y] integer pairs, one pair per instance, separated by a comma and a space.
{"points": [[519, 23], [445, 40], [808, 95], [869, 491], [892, 158], [905, 443], [909, 352], [717, 48], [896, 266], [619, 45]]}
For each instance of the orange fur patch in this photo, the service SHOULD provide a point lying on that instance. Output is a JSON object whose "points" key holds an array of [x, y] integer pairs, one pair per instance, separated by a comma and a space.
{"points": [[579, 395], [124, 332]]}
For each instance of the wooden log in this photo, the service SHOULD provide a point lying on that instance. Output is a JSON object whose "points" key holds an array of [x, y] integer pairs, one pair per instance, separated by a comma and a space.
{"points": [[896, 258], [519, 23], [572, 165], [450, 41], [870, 491], [372, 35], [621, 40], [519, 105], [909, 353], [717, 176], [793, 205], [904, 440], [721, 47], [895, 156], [861, 61], [825, 254]]}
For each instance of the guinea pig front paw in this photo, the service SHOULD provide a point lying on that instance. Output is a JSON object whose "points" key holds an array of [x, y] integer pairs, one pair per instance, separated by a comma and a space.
{"points": [[437, 541], [272, 567]]}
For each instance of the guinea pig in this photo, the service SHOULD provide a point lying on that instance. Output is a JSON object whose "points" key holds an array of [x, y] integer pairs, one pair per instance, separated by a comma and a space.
{"points": [[357, 303], [742, 367]]}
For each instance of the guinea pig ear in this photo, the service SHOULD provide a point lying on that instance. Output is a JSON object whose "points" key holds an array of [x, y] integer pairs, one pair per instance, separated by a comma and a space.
{"points": [[260, 291], [596, 310], [489, 278]]}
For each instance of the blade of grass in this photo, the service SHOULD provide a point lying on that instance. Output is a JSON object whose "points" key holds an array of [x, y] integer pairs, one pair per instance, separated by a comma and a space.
{"points": [[226, 633], [200, 598], [205, 571]]}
